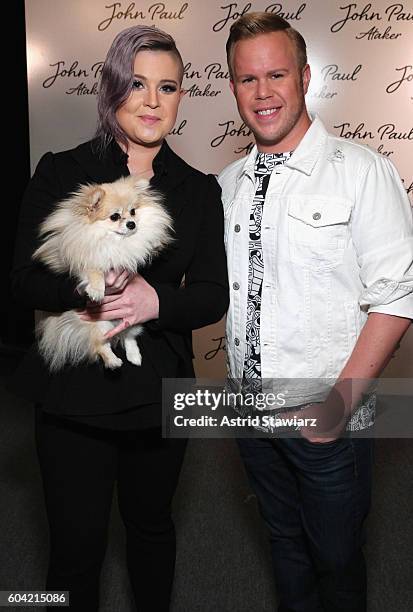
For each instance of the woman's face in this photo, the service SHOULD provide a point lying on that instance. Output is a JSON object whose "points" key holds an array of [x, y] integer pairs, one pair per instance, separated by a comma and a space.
{"points": [[149, 113]]}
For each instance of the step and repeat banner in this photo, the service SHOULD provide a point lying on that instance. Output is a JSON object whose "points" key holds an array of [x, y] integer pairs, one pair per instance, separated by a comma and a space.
{"points": [[361, 56]]}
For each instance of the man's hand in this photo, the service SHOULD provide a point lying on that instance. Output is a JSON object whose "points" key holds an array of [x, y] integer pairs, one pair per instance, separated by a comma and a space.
{"points": [[375, 346], [330, 416], [136, 303], [313, 434]]}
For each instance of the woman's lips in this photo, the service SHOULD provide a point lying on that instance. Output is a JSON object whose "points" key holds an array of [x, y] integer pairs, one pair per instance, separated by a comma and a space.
{"points": [[149, 119]]}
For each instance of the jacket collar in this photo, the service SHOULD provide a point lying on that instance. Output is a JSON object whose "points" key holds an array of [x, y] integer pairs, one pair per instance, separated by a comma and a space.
{"points": [[169, 169], [305, 155], [101, 166], [310, 148]]}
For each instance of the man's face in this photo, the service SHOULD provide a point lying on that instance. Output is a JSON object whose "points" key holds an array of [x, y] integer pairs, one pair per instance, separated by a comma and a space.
{"points": [[269, 88]]}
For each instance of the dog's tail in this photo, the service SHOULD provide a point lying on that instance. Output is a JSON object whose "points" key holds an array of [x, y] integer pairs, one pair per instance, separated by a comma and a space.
{"points": [[64, 339]]}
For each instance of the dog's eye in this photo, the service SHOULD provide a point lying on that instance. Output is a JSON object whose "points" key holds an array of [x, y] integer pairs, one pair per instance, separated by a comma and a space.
{"points": [[115, 217], [132, 212]]}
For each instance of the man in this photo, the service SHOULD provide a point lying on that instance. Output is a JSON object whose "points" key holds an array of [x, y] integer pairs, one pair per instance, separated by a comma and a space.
{"points": [[320, 249]]}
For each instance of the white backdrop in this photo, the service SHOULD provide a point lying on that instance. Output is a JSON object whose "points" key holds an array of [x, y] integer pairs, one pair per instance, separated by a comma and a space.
{"points": [[361, 55]]}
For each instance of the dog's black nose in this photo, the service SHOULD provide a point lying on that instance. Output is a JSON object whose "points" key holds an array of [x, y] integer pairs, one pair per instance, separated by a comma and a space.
{"points": [[131, 225]]}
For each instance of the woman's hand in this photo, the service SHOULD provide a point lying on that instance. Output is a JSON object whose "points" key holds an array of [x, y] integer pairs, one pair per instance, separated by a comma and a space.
{"points": [[136, 303], [116, 281]]}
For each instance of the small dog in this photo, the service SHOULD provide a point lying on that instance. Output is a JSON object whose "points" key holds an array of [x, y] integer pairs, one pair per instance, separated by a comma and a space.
{"points": [[119, 226]]}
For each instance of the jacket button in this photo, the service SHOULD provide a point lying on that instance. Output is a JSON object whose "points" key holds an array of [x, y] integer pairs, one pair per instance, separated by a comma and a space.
{"points": [[317, 216], [237, 228], [236, 341], [235, 286]]}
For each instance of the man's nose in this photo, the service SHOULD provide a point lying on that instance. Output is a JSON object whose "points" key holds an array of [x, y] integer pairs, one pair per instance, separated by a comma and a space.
{"points": [[263, 89]]}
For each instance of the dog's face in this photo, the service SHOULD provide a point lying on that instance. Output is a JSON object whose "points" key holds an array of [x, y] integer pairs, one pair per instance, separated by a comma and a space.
{"points": [[114, 208]]}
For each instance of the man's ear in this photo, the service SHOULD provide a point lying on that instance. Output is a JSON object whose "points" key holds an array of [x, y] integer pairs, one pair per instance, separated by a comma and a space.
{"points": [[306, 78], [231, 86]]}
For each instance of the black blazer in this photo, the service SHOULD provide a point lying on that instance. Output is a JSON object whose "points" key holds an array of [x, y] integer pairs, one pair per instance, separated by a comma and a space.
{"points": [[197, 254]]}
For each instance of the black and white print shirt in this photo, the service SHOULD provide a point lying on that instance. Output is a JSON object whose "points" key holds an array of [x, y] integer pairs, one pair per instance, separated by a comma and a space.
{"points": [[265, 164]]}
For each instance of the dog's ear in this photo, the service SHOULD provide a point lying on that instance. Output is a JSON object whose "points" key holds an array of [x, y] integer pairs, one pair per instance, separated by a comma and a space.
{"points": [[94, 199]]}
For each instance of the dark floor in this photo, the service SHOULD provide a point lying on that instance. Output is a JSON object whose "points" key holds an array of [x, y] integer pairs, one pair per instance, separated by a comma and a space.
{"points": [[223, 562]]}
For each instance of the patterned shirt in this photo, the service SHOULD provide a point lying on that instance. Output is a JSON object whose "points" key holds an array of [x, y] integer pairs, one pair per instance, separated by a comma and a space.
{"points": [[265, 164]]}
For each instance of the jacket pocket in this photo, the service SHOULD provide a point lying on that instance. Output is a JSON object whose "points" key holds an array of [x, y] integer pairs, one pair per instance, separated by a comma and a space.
{"points": [[318, 231]]}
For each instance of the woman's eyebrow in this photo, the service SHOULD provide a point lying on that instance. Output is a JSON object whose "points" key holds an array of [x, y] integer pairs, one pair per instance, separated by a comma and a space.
{"points": [[143, 78]]}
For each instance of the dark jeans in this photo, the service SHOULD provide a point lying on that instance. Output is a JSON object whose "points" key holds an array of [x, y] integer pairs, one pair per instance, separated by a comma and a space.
{"points": [[314, 498], [79, 466]]}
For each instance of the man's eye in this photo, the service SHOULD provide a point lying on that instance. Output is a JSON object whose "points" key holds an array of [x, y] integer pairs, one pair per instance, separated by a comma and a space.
{"points": [[277, 75], [132, 212], [247, 80], [115, 217], [137, 84]]}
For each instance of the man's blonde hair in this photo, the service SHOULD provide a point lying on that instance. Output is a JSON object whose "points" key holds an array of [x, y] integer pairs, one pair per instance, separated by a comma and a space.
{"points": [[254, 24]]}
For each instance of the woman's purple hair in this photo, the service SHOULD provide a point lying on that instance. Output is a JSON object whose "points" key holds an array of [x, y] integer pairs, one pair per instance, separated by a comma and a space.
{"points": [[117, 76]]}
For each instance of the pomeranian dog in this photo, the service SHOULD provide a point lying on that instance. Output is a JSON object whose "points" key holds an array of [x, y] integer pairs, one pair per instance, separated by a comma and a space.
{"points": [[101, 227]]}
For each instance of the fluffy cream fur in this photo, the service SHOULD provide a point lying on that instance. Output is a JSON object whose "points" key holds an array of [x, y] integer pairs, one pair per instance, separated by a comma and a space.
{"points": [[118, 226]]}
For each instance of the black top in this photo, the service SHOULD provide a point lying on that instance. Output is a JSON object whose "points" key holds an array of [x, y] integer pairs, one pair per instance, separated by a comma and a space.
{"points": [[197, 254]]}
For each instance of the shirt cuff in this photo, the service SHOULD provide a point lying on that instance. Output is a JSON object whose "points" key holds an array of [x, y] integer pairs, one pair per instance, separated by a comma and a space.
{"points": [[388, 297], [399, 308]]}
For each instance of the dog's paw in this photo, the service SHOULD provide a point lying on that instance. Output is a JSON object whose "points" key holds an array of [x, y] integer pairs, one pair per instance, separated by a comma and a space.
{"points": [[113, 363], [133, 355], [95, 293]]}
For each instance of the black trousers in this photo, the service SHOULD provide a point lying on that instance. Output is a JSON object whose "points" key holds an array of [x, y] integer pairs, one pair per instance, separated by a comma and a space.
{"points": [[314, 499], [80, 465]]}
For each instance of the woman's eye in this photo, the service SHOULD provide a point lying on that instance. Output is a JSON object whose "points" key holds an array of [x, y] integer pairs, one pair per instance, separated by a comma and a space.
{"points": [[247, 80], [137, 84], [168, 88], [115, 217], [132, 212]]}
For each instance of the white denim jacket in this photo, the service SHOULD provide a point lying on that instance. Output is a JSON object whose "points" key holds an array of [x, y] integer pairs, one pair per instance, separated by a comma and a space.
{"points": [[337, 240]]}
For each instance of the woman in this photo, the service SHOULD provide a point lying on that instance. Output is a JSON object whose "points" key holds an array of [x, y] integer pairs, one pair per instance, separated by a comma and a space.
{"points": [[95, 427]]}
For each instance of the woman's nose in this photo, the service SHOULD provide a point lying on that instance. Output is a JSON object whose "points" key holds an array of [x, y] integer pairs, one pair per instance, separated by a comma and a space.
{"points": [[151, 99]]}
